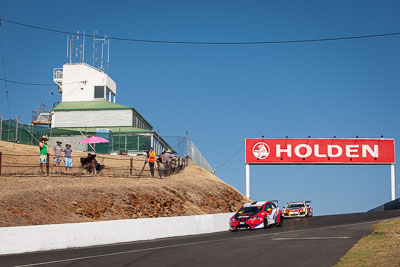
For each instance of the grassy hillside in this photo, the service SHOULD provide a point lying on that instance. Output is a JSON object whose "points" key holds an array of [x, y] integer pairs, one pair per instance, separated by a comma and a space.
{"points": [[36, 199]]}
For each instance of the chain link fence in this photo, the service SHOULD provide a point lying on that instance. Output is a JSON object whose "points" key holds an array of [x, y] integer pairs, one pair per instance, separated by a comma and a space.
{"points": [[183, 146], [107, 165], [120, 143]]}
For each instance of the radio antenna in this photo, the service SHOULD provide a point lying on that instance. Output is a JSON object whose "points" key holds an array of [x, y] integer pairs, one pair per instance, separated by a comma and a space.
{"points": [[67, 46], [83, 50]]}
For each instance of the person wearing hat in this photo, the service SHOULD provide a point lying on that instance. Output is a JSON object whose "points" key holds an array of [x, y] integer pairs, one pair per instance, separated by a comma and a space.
{"points": [[58, 149], [43, 152], [68, 158], [167, 161]]}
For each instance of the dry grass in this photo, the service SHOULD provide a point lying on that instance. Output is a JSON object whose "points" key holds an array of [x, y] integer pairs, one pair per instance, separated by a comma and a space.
{"points": [[380, 248], [35, 199]]}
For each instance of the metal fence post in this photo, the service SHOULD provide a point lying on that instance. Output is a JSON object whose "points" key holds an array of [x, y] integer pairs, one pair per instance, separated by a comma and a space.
{"points": [[16, 130], [48, 164], [1, 128], [131, 166]]}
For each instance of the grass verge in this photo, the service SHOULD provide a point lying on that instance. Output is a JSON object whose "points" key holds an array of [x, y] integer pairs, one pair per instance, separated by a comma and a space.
{"points": [[380, 248]]}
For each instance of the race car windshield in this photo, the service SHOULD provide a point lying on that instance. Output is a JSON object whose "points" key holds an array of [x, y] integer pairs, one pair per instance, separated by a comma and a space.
{"points": [[250, 209], [295, 205]]}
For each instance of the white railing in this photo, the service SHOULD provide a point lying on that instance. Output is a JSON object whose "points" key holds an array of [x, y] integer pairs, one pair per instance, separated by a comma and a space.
{"points": [[57, 73]]}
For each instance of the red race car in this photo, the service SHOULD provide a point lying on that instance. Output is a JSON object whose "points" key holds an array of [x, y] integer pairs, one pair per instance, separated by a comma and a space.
{"points": [[258, 214], [298, 209]]}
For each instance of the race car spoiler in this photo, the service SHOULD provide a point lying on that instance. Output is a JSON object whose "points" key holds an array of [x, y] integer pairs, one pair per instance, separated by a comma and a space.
{"points": [[300, 202]]}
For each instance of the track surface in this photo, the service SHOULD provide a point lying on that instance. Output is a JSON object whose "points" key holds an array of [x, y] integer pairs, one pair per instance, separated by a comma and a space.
{"points": [[316, 241]]}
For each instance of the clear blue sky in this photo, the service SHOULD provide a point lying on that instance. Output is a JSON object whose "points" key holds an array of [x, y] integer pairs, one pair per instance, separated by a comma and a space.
{"points": [[224, 94]]}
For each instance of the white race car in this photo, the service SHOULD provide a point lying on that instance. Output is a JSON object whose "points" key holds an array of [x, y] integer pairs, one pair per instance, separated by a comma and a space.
{"points": [[298, 209]]}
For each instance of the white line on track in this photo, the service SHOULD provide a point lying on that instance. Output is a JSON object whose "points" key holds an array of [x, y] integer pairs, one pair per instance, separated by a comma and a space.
{"points": [[310, 238], [189, 244]]}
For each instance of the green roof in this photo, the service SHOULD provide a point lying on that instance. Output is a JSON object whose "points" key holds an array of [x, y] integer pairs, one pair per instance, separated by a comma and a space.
{"points": [[94, 105], [88, 105], [115, 130]]}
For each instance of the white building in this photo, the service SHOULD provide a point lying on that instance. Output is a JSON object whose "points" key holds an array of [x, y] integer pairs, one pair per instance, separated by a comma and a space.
{"points": [[88, 107], [82, 82]]}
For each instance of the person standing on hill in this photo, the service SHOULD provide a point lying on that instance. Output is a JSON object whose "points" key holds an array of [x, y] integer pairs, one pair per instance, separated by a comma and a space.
{"points": [[58, 149], [167, 161], [152, 159], [43, 152], [68, 158]]}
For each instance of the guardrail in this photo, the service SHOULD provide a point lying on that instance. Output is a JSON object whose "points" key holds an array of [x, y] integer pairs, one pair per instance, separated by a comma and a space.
{"points": [[60, 236]]}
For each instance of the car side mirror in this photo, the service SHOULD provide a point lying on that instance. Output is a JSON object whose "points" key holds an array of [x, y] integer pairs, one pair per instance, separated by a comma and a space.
{"points": [[269, 211]]}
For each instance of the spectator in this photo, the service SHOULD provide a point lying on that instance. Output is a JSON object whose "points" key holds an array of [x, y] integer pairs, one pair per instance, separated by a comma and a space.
{"points": [[58, 149], [99, 167], [87, 163], [152, 159], [167, 161], [68, 158], [43, 152]]}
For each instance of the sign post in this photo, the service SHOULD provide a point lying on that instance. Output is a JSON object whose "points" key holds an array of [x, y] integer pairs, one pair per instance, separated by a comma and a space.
{"points": [[393, 182], [248, 180], [309, 151]]}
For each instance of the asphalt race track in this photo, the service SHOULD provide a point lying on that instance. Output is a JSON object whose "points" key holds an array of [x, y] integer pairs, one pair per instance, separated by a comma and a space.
{"points": [[315, 241]]}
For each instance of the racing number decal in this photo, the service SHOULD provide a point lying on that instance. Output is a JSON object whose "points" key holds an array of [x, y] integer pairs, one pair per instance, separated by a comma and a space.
{"points": [[272, 216]]}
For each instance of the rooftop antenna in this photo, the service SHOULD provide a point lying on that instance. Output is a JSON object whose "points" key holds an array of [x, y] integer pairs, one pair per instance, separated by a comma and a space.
{"points": [[108, 54], [76, 49], [104, 41], [94, 41], [67, 46], [80, 47], [83, 50], [71, 49]]}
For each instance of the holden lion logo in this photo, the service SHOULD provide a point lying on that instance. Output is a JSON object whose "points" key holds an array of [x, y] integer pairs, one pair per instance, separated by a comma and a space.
{"points": [[261, 150]]}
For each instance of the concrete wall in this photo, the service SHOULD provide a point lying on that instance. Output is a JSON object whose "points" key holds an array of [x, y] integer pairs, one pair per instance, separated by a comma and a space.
{"points": [[92, 118], [60, 236]]}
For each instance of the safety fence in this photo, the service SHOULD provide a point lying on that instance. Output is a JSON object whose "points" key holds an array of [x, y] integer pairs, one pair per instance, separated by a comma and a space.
{"points": [[14, 131], [120, 141], [184, 146], [82, 165]]}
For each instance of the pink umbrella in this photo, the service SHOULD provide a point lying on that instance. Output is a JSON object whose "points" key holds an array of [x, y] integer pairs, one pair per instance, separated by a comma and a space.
{"points": [[93, 140]]}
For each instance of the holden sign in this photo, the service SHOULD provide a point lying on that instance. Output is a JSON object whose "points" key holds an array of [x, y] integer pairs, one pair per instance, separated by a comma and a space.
{"points": [[261, 150], [319, 151]]}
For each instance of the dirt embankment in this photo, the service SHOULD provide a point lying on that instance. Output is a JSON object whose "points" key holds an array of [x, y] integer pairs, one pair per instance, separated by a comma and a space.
{"points": [[37, 200]]}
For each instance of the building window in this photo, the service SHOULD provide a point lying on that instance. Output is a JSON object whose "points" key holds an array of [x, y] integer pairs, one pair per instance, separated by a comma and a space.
{"points": [[99, 92]]}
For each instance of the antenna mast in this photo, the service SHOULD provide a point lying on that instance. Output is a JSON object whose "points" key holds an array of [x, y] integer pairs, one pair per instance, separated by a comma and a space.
{"points": [[71, 49], [83, 53], [67, 46], [104, 41]]}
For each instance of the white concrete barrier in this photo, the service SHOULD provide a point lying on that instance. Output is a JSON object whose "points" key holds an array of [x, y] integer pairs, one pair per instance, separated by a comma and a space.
{"points": [[59, 236]]}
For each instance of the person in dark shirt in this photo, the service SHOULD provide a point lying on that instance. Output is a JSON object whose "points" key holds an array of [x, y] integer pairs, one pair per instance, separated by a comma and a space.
{"points": [[68, 158]]}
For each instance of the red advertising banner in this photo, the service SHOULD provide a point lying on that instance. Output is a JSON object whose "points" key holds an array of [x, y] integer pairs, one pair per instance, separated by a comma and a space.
{"points": [[319, 151]]}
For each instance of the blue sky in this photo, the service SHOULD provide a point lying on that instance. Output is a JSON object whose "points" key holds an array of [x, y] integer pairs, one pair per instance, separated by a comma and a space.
{"points": [[224, 94]]}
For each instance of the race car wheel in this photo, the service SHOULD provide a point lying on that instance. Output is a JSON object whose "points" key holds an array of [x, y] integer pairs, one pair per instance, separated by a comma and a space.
{"points": [[279, 224], [231, 230], [266, 223]]}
